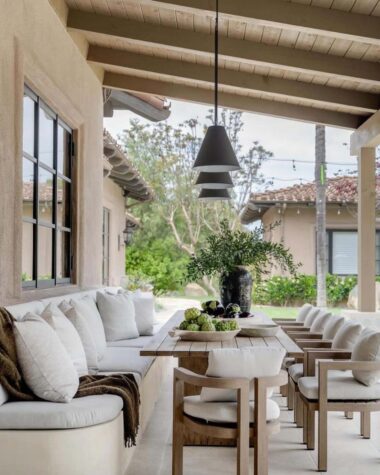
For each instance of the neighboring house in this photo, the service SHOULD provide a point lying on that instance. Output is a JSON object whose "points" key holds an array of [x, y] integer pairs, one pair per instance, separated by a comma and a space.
{"points": [[292, 211]]}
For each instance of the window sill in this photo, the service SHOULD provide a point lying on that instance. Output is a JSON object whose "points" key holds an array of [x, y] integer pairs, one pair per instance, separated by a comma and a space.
{"points": [[28, 295]]}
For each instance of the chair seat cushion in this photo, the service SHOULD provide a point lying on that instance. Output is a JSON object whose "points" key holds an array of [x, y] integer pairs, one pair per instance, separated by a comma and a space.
{"points": [[296, 371], [288, 362], [224, 411], [125, 360], [341, 386], [80, 412]]}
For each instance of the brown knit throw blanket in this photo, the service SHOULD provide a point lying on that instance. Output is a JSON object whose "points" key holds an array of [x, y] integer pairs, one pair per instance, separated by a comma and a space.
{"points": [[123, 385]]}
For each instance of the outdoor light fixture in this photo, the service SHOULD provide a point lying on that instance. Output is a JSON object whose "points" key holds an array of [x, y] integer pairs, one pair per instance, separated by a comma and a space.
{"points": [[216, 153], [214, 181], [214, 195], [128, 233]]}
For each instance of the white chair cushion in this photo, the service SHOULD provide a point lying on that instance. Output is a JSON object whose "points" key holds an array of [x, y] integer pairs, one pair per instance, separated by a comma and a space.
{"points": [[144, 311], [303, 312], [332, 326], [341, 386], [320, 322], [80, 412], [118, 316], [82, 327], [244, 363], [311, 316], [125, 360], [86, 306], [296, 372], [3, 395], [224, 411], [68, 335], [367, 348], [347, 336], [288, 362], [45, 364]]}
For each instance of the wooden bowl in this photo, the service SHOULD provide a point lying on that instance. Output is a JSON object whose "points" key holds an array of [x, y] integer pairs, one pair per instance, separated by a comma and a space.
{"points": [[260, 331], [203, 336]]}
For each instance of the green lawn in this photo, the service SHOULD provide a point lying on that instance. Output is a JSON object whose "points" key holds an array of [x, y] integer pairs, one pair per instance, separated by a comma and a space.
{"points": [[286, 312]]}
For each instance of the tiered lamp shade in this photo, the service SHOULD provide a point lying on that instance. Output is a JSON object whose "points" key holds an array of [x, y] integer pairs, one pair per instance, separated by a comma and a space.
{"points": [[214, 195], [214, 181], [216, 153]]}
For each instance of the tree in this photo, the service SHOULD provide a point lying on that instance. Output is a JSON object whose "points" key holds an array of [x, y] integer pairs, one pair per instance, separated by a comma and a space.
{"points": [[320, 183], [165, 155]]}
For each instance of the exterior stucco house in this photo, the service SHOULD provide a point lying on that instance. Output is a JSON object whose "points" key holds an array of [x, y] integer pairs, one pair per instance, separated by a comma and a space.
{"points": [[292, 211]]}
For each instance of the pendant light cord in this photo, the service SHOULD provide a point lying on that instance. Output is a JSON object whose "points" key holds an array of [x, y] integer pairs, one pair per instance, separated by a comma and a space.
{"points": [[216, 61]]}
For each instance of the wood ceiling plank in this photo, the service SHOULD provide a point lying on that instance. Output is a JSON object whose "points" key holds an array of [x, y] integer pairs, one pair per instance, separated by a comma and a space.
{"points": [[236, 50]]}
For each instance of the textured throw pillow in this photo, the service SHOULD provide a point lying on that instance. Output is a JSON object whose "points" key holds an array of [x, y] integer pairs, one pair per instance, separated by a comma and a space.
{"points": [[45, 364], [68, 335], [347, 336], [84, 332], [303, 312], [118, 315], [332, 327], [244, 363], [86, 306], [367, 348], [144, 312], [320, 322], [311, 316]]}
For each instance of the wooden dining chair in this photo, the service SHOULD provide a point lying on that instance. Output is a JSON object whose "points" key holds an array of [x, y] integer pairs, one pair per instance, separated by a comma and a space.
{"points": [[246, 421]]}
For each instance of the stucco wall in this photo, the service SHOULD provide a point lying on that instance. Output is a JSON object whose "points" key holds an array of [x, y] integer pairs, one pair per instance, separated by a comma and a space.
{"points": [[296, 229], [35, 48]]}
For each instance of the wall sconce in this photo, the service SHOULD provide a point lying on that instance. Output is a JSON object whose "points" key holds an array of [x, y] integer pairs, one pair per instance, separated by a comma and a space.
{"points": [[128, 233]]}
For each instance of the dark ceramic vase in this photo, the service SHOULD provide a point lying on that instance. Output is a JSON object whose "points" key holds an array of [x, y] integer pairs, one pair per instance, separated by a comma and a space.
{"points": [[236, 287]]}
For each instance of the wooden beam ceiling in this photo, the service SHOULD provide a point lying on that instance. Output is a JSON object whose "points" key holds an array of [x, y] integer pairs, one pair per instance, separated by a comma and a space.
{"points": [[280, 14], [233, 101], [230, 48], [362, 101]]}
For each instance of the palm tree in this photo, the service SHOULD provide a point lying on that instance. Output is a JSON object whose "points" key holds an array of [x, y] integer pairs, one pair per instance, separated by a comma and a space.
{"points": [[320, 205]]}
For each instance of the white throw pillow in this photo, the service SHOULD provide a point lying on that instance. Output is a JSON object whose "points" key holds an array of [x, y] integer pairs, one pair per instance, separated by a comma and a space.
{"points": [[311, 316], [347, 336], [86, 306], [320, 322], [144, 312], [45, 364], [332, 327], [68, 335], [367, 348], [118, 315], [84, 332], [3, 395], [244, 363], [303, 312]]}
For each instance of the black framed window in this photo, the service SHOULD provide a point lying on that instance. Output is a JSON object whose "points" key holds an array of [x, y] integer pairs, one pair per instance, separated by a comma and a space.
{"points": [[47, 196], [342, 250]]}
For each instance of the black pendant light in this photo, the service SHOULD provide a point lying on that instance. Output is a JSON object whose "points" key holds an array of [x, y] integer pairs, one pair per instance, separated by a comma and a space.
{"points": [[214, 181], [214, 195], [216, 153]]}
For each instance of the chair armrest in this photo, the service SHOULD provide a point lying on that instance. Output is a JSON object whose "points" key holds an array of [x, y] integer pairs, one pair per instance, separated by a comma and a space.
{"points": [[287, 321], [312, 355], [305, 343], [310, 336], [198, 380], [289, 329], [280, 379]]}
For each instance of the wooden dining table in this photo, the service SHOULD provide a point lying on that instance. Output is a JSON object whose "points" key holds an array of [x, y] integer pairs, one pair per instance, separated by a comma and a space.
{"points": [[193, 355]]}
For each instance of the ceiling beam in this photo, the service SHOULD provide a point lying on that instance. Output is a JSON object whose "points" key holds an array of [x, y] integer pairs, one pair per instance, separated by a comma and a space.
{"points": [[367, 135], [233, 101], [362, 101], [280, 14], [230, 48]]}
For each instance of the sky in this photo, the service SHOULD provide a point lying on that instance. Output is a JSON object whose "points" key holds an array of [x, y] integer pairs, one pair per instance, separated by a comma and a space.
{"points": [[287, 139]]}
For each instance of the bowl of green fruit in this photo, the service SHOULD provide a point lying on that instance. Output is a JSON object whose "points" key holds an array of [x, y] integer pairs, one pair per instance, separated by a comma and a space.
{"points": [[200, 326]]}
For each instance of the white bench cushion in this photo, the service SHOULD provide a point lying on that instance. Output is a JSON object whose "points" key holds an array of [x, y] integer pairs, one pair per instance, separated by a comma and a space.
{"points": [[224, 411], [80, 412], [139, 342], [125, 360], [296, 371], [341, 386]]}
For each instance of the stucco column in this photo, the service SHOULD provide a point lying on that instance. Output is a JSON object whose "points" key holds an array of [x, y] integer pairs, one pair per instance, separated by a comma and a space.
{"points": [[367, 231]]}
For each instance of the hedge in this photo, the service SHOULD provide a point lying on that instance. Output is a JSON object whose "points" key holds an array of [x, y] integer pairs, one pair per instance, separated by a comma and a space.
{"points": [[302, 288]]}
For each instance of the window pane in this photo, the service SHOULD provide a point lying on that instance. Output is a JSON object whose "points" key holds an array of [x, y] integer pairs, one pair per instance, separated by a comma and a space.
{"points": [[63, 158], [63, 208], [63, 255], [45, 138], [45, 241], [27, 251], [27, 188], [45, 195], [28, 126], [344, 255]]}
